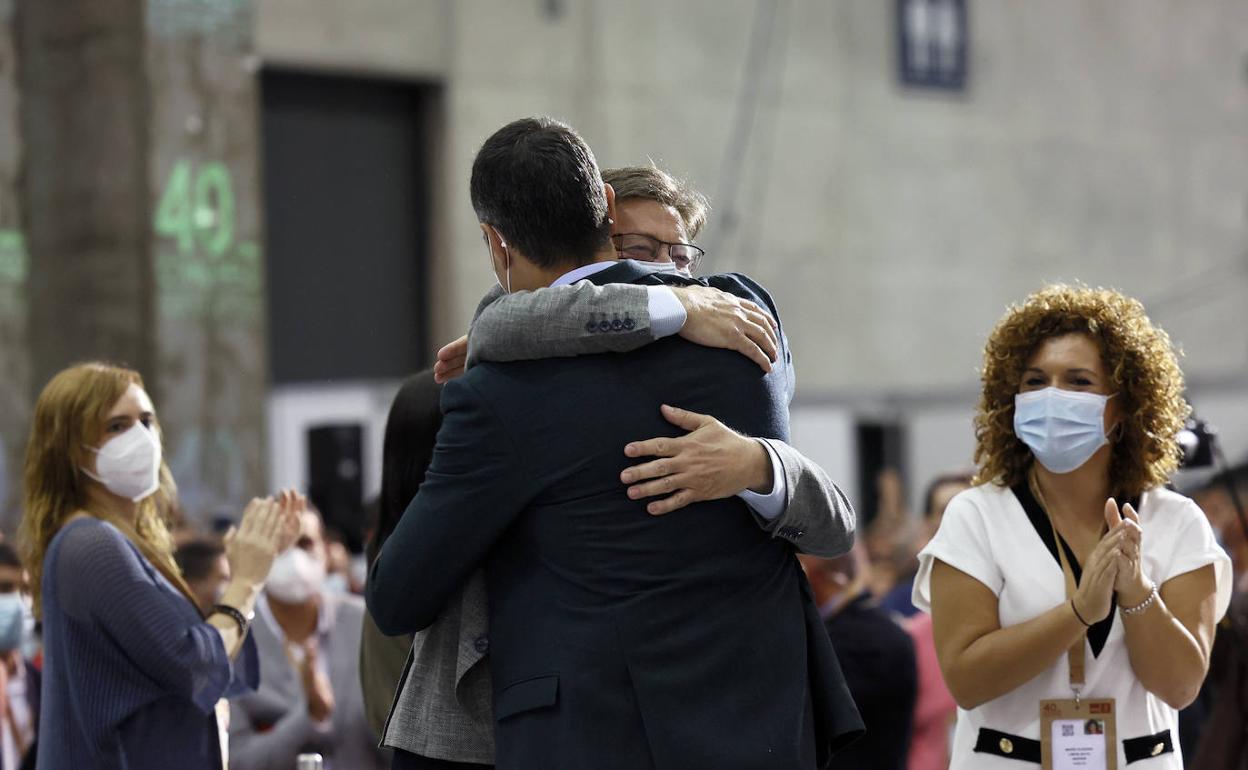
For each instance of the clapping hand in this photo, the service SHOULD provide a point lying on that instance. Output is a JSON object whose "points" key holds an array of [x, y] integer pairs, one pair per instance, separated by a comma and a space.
{"points": [[1131, 585], [268, 527], [316, 687], [1096, 585]]}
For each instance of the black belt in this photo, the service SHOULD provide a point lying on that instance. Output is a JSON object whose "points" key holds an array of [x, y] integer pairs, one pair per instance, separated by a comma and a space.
{"points": [[1008, 746]]}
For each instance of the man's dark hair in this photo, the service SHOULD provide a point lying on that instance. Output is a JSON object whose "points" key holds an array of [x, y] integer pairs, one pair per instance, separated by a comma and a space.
{"points": [[537, 182], [9, 557], [196, 557]]}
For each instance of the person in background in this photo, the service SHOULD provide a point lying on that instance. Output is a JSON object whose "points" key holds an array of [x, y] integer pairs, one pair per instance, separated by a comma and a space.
{"points": [[939, 492], [19, 679], [207, 572], [205, 568], [1221, 507], [876, 655], [934, 707], [1217, 724], [337, 563], [891, 536], [1070, 532], [308, 640], [132, 671]]}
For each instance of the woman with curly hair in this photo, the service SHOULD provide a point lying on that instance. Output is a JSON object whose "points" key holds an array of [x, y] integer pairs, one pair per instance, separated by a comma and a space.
{"points": [[133, 672], [1069, 574]]}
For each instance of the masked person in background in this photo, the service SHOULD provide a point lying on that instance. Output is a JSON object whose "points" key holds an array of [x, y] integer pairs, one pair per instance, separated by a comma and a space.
{"points": [[309, 698], [19, 679], [1071, 550], [207, 571]]}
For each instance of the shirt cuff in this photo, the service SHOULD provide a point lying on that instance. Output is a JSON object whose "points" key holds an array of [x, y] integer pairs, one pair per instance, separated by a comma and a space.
{"points": [[667, 315], [770, 505]]}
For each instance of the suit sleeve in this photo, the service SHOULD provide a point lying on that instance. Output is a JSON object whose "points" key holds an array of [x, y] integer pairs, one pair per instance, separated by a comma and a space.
{"points": [[475, 486], [818, 518], [561, 321]]}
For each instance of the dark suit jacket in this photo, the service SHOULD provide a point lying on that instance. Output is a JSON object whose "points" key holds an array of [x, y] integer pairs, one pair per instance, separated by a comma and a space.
{"points": [[618, 639], [878, 656]]}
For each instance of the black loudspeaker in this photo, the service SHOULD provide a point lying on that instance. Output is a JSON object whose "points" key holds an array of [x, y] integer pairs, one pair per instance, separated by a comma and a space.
{"points": [[336, 479]]}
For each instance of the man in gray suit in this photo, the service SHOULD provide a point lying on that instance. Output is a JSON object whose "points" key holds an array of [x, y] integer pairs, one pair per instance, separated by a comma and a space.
{"points": [[443, 706]]}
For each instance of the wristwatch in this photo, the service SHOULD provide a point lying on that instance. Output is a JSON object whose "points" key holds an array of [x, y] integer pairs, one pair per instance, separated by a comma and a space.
{"points": [[243, 621]]}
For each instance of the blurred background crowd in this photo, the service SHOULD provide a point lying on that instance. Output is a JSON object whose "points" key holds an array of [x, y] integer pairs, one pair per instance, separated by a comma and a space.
{"points": [[262, 206]]}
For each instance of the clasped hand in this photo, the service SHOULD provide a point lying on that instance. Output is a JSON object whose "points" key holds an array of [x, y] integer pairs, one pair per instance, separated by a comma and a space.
{"points": [[1114, 566]]}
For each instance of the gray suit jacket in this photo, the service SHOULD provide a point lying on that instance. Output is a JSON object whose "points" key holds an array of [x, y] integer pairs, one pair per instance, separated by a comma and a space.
{"points": [[442, 707]]}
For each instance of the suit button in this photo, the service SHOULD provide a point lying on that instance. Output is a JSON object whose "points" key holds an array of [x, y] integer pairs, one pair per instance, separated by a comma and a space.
{"points": [[1007, 746], [591, 327], [481, 644], [629, 324], [604, 325], [616, 325]]}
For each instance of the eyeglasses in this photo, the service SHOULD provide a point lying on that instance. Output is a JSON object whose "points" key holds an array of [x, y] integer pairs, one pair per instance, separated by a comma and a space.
{"points": [[645, 248]]}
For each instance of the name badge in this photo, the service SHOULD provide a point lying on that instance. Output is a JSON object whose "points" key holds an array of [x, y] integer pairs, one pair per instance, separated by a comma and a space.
{"points": [[1078, 735]]}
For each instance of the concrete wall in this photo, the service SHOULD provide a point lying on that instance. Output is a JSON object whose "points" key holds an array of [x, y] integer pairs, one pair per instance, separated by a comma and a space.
{"points": [[15, 399], [1098, 142], [130, 226], [205, 155], [1102, 142]]}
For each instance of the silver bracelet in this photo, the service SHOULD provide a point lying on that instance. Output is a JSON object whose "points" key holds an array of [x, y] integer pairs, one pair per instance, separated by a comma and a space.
{"points": [[1137, 609]]}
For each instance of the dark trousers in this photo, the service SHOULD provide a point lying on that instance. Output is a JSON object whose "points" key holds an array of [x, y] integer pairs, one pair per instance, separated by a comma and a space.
{"points": [[407, 761]]}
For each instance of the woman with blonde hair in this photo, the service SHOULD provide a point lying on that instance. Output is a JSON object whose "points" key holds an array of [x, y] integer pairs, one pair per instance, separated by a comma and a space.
{"points": [[1070, 583], [132, 670]]}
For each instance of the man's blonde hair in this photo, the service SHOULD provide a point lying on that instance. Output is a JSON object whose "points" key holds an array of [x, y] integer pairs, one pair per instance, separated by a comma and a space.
{"points": [[653, 183]]}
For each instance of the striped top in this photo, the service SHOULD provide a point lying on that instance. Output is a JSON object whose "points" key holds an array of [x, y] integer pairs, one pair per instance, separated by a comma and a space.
{"points": [[131, 671]]}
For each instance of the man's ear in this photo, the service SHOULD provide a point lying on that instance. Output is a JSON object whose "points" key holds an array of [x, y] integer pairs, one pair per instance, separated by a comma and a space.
{"points": [[498, 246], [610, 191]]}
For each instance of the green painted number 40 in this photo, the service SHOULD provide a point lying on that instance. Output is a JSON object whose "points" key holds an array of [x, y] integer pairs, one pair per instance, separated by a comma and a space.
{"points": [[197, 208]]}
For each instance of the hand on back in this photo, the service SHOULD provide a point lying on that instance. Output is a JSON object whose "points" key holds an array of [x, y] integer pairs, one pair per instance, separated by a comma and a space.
{"points": [[711, 462], [717, 319]]}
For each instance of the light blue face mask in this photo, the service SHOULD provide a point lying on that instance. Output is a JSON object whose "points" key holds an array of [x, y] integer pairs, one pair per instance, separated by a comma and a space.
{"points": [[1063, 428], [12, 621]]}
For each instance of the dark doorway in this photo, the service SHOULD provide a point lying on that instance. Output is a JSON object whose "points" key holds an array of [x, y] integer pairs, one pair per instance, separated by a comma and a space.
{"points": [[347, 184], [881, 446]]}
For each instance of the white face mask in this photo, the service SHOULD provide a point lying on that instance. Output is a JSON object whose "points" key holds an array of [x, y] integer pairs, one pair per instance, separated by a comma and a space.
{"points": [[295, 577], [129, 465], [1063, 428]]}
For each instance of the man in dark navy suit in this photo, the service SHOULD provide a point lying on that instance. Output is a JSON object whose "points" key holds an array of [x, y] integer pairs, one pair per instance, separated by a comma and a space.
{"points": [[617, 639]]}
